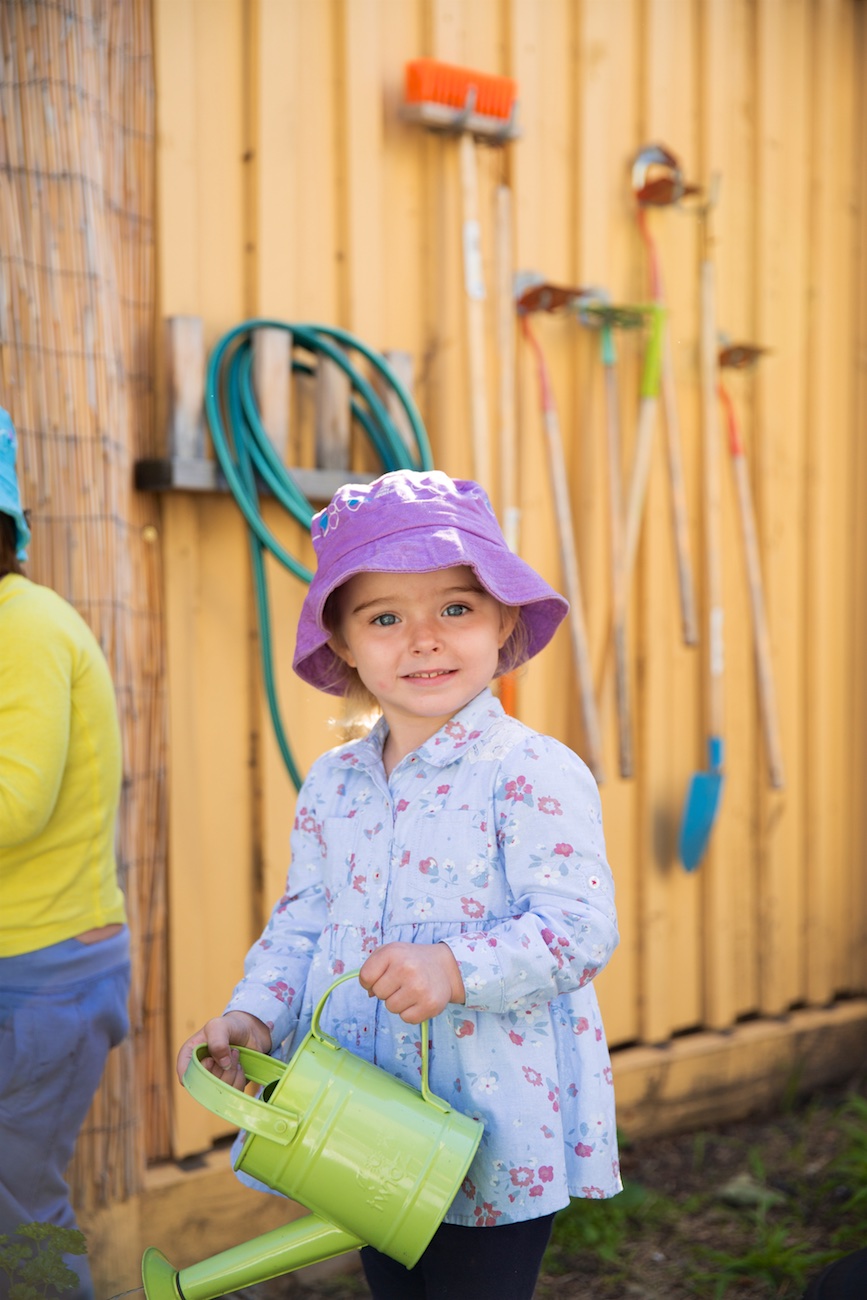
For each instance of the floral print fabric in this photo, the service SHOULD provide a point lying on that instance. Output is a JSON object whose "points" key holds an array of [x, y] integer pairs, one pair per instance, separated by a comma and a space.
{"points": [[487, 838]]}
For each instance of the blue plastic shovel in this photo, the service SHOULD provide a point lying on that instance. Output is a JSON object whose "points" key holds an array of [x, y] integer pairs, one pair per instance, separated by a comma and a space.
{"points": [[705, 788]]}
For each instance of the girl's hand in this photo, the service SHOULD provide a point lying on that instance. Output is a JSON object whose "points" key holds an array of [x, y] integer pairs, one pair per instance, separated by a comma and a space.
{"points": [[235, 1027], [415, 980]]}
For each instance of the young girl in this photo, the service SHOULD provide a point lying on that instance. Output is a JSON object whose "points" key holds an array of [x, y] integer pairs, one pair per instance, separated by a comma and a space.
{"points": [[456, 857]]}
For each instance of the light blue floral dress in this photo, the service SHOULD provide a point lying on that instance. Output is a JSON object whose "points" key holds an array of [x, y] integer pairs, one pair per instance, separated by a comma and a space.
{"points": [[488, 838]]}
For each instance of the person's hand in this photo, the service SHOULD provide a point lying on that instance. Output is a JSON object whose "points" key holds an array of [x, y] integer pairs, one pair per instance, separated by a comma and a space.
{"points": [[235, 1027], [415, 980]]}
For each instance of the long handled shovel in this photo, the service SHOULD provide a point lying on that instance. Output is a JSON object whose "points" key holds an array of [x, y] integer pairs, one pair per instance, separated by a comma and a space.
{"points": [[568, 557], [649, 396], [761, 638], [705, 788], [657, 181], [598, 313]]}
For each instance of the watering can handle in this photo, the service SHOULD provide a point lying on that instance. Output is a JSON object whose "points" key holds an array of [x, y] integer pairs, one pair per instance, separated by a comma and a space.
{"points": [[424, 1028], [237, 1107]]}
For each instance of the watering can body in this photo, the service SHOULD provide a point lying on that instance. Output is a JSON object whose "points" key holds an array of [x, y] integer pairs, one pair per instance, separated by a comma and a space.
{"points": [[376, 1160]]}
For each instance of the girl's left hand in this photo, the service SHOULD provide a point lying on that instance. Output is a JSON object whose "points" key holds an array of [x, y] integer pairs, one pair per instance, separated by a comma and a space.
{"points": [[415, 980]]}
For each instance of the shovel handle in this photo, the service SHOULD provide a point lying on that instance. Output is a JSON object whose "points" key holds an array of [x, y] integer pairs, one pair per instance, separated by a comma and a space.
{"points": [[712, 505], [761, 634]]}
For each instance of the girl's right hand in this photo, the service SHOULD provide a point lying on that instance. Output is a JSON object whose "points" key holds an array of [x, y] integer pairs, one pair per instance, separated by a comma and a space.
{"points": [[223, 1035]]}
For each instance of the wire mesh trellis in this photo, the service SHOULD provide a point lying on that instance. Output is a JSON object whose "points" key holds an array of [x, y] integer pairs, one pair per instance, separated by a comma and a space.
{"points": [[76, 368]]}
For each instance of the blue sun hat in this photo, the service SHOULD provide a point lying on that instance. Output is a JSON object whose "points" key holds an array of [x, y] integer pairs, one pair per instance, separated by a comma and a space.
{"points": [[10, 496]]}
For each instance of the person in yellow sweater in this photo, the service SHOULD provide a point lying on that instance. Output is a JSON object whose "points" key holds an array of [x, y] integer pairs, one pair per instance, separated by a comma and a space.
{"points": [[64, 941]]}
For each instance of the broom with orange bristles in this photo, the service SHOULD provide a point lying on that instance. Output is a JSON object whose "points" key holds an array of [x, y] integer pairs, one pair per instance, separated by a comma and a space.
{"points": [[470, 105], [478, 106]]}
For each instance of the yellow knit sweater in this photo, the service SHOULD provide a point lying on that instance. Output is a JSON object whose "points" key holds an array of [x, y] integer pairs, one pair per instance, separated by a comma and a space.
{"points": [[60, 773]]}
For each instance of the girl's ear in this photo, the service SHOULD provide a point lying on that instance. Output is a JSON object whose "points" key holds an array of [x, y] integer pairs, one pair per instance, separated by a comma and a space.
{"points": [[341, 649], [509, 615]]}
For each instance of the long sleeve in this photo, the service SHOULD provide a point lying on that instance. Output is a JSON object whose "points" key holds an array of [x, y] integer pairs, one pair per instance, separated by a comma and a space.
{"points": [[564, 927], [276, 967], [35, 699]]}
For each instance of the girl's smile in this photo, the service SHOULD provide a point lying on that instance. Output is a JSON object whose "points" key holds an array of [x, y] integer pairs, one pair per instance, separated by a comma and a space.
{"points": [[424, 644]]}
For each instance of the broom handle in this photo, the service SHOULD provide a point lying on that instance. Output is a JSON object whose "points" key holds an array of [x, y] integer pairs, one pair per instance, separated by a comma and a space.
{"points": [[506, 346], [615, 511], [712, 513], [761, 637], [643, 447], [474, 299], [568, 553], [509, 510], [673, 443], [576, 600], [678, 495]]}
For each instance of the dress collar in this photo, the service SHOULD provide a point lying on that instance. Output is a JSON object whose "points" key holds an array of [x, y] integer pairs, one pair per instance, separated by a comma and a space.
{"points": [[447, 745]]}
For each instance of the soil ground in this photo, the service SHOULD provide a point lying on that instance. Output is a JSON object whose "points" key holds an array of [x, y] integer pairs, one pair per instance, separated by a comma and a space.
{"points": [[743, 1211]]}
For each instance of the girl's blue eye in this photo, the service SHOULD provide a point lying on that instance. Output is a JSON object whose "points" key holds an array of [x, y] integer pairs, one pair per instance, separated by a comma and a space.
{"points": [[385, 620], [456, 609]]}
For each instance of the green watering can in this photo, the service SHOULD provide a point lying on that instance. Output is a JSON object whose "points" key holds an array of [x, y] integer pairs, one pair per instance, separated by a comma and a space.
{"points": [[376, 1161]]}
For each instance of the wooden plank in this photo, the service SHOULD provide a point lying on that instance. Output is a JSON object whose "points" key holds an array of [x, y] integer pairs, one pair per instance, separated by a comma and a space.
{"points": [[208, 892], [332, 415], [538, 542], [402, 365], [272, 360], [719, 874], [736, 263], [857, 743], [846, 226], [275, 54], [820, 402], [783, 64], [360, 139], [177, 198], [185, 386], [307, 713], [603, 257], [711, 1078], [219, 164], [671, 936]]}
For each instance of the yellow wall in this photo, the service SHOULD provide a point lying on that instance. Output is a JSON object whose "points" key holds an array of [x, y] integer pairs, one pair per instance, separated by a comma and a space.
{"points": [[289, 186]]}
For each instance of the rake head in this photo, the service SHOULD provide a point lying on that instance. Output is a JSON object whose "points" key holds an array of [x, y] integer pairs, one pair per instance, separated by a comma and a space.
{"points": [[740, 356], [599, 314]]}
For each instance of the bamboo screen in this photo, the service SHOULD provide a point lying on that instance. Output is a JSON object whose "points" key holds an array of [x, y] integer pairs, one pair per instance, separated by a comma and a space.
{"points": [[76, 341]]}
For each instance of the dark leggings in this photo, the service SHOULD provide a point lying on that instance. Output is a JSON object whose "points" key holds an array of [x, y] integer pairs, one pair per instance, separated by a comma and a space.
{"points": [[846, 1279], [465, 1264]]}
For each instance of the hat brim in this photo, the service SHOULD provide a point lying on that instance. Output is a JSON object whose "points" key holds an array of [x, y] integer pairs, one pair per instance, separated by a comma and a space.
{"points": [[503, 575]]}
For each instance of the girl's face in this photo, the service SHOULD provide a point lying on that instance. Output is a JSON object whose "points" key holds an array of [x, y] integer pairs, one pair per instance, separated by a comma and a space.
{"points": [[424, 644]]}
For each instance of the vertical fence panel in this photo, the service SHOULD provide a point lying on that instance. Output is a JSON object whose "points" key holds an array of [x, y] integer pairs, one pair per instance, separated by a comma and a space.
{"points": [[359, 222], [822, 413], [670, 728], [782, 76]]}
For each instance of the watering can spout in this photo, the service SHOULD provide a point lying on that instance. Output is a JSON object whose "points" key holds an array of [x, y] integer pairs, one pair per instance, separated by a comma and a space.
{"points": [[377, 1161], [310, 1240]]}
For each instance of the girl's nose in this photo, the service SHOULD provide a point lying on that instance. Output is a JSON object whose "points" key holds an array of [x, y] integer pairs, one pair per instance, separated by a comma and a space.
{"points": [[426, 637]]}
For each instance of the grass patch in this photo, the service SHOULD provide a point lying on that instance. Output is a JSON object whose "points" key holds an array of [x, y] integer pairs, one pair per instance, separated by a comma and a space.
{"points": [[747, 1211]]}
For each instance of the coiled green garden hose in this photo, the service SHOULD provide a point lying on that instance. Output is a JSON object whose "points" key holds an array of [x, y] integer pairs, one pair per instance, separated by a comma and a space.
{"points": [[249, 462]]}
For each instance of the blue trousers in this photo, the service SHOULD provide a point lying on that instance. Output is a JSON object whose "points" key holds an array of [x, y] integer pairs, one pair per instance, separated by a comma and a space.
{"points": [[61, 1010]]}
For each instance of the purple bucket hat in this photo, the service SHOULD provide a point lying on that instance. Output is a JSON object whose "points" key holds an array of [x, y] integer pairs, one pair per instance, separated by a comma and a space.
{"points": [[412, 521]]}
